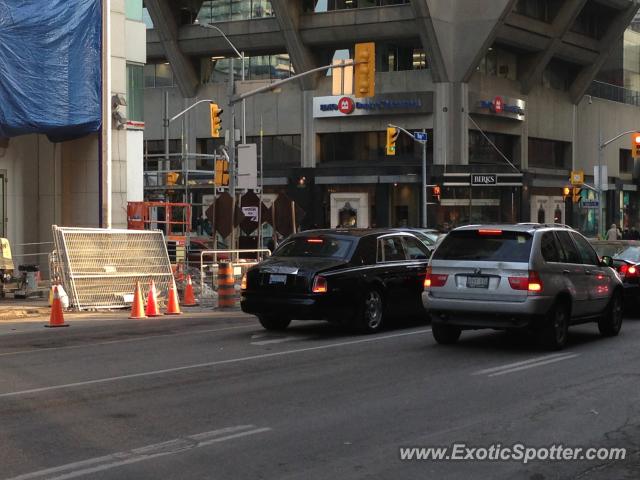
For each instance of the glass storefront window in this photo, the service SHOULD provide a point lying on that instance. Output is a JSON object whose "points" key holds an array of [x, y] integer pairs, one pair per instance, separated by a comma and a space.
{"points": [[277, 150], [135, 95], [482, 152], [261, 67], [549, 153], [499, 62], [146, 18], [213, 11], [319, 6], [133, 9], [355, 147], [164, 75]]}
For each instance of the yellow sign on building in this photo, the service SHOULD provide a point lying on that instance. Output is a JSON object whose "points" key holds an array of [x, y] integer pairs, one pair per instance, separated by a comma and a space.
{"points": [[577, 177]]}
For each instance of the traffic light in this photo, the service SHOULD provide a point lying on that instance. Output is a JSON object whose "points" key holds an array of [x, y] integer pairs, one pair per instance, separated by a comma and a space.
{"points": [[392, 136], [216, 121], [365, 69], [436, 193], [566, 191], [221, 178], [576, 194], [635, 145]]}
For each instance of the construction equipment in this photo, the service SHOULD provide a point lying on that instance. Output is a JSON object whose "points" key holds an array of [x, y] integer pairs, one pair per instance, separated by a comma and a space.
{"points": [[6, 265]]}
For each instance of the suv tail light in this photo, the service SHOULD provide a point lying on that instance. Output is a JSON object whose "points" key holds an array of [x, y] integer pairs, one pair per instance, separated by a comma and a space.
{"points": [[531, 283], [434, 279], [243, 282], [319, 285]]}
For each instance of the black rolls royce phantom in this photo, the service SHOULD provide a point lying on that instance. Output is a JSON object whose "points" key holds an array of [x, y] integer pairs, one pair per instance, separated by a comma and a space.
{"points": [[355, 277]]}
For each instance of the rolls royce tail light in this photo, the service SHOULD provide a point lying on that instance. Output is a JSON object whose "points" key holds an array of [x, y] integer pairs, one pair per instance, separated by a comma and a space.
{"points": [[319, 285]]}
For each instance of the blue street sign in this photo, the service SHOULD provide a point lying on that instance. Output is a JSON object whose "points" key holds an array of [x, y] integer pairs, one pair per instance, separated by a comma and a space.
{"points": [[590, 203], [421, 136]]}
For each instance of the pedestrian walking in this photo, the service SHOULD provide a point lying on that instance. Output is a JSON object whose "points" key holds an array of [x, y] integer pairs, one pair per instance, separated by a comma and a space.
{"points": [[613, 233]]}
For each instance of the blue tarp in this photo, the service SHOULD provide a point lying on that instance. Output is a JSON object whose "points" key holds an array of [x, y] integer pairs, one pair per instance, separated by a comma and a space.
{"points": [[50, 67]]}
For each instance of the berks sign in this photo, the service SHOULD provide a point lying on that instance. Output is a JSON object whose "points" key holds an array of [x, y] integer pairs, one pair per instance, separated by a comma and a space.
{"points": [[483, 179]]}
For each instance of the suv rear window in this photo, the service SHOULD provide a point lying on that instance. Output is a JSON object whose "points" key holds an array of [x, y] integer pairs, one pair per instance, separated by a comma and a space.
{"points": [[485, 245], [322, 246]]}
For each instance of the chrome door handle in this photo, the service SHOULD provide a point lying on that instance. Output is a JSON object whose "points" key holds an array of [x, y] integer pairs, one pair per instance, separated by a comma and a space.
{"points": [[588, 272], [566, 272]]}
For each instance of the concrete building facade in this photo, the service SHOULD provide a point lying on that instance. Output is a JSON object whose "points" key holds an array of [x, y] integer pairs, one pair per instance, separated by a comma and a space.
{"points": [[44, 183], [513, 94]]}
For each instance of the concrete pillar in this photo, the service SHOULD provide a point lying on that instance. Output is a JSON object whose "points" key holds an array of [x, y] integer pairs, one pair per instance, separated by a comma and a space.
{"points": [[451, 124]]}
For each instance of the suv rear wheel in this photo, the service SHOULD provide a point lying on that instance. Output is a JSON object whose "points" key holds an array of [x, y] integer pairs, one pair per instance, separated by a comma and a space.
{"points": [[272, 322], [611, 320], [445, 334], [554, 332]]}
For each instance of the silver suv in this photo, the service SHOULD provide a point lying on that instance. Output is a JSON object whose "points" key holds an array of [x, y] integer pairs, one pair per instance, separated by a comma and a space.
{"points": [[527, 276]]}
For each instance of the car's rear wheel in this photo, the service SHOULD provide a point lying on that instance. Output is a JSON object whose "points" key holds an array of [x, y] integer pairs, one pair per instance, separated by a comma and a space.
{"points": [[611, 320], [371, 314], [555, 331], [445, 334], [274, 322]]}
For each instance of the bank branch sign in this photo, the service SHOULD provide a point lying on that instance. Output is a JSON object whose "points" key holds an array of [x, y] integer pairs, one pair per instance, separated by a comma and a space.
{"points": [[389, 104], [499, 105]]}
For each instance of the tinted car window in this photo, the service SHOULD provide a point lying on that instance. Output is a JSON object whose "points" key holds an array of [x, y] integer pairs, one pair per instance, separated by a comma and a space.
{"points": [[390, 249], [365, 253], [571, 253], [549, 247], [486, 245], [588, 254], [321, 246], [415, 249]]}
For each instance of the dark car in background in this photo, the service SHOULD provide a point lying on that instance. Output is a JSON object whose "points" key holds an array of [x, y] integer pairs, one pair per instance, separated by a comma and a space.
{"points": [[626, 260], [353, 277], [428, 236]]}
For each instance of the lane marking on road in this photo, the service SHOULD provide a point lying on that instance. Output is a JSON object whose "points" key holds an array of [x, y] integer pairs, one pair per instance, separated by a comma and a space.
{"points": [[526, 364], [274, 340], [212, 364], [128, 340], [127, 457]]}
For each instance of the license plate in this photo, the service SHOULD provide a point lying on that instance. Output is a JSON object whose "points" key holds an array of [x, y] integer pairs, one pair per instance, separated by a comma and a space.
{"points": [[275, 279], [477, 282]]}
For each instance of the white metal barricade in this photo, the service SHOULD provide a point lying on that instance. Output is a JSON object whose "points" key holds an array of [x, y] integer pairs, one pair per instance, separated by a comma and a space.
{"points": [[99, 268], [261, 254]]}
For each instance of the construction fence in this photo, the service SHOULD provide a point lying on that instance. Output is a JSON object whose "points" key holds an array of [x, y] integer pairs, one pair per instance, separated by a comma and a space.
{"points": [[99, 268]]}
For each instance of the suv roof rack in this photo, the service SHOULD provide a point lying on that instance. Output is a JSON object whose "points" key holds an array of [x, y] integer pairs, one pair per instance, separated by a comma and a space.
{"points": [[546, 225]]}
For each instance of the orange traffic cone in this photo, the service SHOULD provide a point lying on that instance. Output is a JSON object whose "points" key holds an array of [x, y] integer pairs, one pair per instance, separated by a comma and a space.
{"points": [[189, 297], [137, 308], [56, 319], [173, 306], [152, 303]]}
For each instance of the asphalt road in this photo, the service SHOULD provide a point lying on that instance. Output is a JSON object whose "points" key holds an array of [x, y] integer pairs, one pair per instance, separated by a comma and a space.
{"points": [[217, 397]]}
